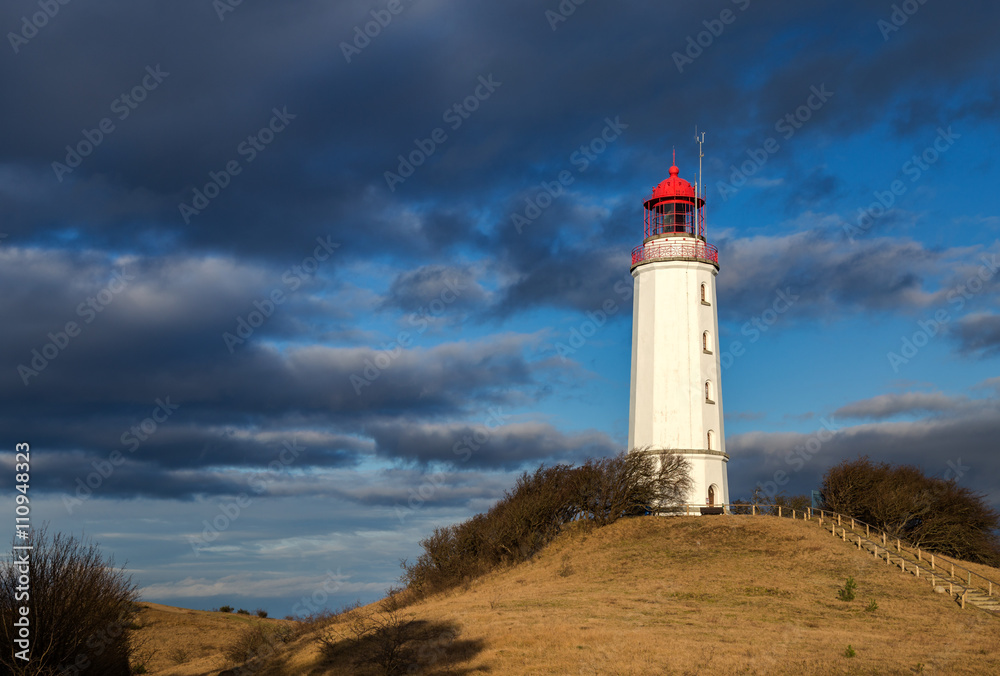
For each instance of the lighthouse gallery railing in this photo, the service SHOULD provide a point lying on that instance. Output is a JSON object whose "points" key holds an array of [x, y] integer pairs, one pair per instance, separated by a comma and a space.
{"points": [[702, 251]]}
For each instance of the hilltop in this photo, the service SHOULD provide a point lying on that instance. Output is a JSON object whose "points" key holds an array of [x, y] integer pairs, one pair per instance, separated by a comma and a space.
{"points": [[723, 595], [184, 642]]}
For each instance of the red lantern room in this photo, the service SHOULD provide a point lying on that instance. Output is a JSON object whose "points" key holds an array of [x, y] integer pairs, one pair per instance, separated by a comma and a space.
{"points": [[674, 209], [674, 225]]}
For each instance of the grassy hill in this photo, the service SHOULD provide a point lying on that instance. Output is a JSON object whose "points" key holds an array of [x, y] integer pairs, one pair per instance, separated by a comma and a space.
{"points": [[711, 595], [191, 642]]}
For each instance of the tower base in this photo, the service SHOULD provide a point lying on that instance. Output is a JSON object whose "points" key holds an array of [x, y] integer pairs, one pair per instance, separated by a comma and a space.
{"points": [[709, 482]]}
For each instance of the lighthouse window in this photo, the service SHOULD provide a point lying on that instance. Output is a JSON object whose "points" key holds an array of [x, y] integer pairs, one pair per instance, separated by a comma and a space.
{"points": [[709, 392], [706, 343], [704, 296], [711, 440]]}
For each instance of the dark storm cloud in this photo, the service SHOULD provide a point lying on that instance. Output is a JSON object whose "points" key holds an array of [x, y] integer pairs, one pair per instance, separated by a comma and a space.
{"points": [[832, 275], [978, 334], [489, 444], [183, 461], [572, 254], [163, 333], [308, 387], [130, 357], [889, 405], [324, 174], [449, 288], [958, 442], [582, 281], [815, 189], [398, 486]]}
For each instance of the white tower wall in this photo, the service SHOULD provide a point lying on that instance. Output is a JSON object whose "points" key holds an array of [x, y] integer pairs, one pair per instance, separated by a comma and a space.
{"points": [[668, 408]]}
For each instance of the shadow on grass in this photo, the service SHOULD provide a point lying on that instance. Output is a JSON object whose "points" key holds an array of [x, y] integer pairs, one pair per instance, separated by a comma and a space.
{"points": [[406, 647]]}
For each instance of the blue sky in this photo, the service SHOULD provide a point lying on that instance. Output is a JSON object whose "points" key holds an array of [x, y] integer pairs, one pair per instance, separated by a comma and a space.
{"points": [[324, 291]]}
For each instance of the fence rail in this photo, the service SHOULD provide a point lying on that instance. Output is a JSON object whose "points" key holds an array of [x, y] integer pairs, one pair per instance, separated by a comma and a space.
{"points": [[881, 542]]}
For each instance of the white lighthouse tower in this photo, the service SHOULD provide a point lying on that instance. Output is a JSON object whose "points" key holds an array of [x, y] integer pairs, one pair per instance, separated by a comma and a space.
{"points": [[676, 396]]}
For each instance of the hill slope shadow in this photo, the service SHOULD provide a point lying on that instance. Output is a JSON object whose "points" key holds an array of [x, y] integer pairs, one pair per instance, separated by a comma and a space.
{"points": [[386, 644]]}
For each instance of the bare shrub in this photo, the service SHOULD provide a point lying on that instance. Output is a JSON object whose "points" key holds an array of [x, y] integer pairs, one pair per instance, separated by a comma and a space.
{"points": [[498, 595], [82, 609], [372, 637], [742, 507], [255, 642], [533, 512], [799, 503], [768, 503], [935, 514], [631, 484]]}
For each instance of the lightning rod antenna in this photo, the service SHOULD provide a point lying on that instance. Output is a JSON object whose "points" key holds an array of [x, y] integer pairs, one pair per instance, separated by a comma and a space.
{"points": [[700, 140]]}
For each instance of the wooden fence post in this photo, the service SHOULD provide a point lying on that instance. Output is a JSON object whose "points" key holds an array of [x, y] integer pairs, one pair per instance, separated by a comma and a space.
{"points": [[953, 570], [932, 563], [883, 539], [919, 557], [779, 510], [852, 523], [843, 533], [838, 520], [810, 513], [963, 598], [991, 589], [753, 510], [898, 550], [859, 542]]}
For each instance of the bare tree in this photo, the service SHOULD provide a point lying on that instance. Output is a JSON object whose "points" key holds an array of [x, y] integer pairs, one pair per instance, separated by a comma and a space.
{"points": [[534, 511], [933, 513], [81, 609], [630, 484]]}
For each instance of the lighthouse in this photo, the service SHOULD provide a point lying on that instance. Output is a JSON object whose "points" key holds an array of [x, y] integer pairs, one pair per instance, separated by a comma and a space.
{"points": [[676, 394]]}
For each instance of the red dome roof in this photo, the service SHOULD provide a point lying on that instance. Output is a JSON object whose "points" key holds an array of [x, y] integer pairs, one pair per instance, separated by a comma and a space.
{"points": [[673, 187]]}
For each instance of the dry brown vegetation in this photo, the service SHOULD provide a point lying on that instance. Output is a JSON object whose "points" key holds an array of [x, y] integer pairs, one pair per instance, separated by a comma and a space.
{"points": [[935, 514], [537, 508], [678, 595], [82, 610], [195, 642]]}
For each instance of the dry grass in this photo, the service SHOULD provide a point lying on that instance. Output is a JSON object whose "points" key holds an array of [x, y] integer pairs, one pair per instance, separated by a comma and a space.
{"points": [[191, 642], [726, 595], [978, 568]]}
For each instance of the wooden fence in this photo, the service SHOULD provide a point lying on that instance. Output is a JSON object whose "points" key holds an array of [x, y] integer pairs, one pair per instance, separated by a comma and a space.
{"points": [[881, 544]]}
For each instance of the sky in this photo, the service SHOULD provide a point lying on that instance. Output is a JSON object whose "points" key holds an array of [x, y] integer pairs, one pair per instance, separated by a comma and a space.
{"points": [[287, 285]]}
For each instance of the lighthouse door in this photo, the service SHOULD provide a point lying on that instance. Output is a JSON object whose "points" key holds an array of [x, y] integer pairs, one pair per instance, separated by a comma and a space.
{"points": [[711, 496]]}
